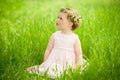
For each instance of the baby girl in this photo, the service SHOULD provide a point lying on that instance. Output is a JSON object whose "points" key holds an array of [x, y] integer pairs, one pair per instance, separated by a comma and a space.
{"points": [[64, 48]]}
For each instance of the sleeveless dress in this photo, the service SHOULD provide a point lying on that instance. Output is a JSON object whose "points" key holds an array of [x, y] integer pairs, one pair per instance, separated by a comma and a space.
{"points": [[61, 57]]}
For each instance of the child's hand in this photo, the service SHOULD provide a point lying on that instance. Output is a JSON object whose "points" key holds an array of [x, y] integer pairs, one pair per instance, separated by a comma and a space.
{"points": [[77, 65]]}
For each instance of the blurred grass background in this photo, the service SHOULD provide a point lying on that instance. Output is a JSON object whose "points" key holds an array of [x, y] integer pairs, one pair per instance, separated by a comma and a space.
{"points": [[26, 26]]}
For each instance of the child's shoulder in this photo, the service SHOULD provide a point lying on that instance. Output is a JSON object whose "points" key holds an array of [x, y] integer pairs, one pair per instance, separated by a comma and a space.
{"points": [[58, 32], [74, 35], [55, 33]]}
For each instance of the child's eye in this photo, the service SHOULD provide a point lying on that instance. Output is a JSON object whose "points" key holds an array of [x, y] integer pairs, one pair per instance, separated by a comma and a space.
{"points": [[60, 18]]}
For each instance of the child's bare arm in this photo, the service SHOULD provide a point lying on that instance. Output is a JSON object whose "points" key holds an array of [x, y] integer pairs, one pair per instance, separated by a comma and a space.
{"points": [[49, 48], [78, 52]]}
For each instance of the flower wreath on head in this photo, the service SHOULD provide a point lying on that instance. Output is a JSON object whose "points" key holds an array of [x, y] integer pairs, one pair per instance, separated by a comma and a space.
{"points": [[76, 18]]}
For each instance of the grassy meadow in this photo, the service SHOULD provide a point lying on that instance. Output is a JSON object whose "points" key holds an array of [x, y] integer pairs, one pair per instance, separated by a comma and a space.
{"points": [[26, 26]]}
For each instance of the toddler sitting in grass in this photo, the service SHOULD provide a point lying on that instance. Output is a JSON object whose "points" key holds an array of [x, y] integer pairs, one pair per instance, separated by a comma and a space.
{"points": [[64, 48]]}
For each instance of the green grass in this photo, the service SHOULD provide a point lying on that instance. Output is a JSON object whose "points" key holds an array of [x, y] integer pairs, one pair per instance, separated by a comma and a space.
{"points": [[26, 26]]}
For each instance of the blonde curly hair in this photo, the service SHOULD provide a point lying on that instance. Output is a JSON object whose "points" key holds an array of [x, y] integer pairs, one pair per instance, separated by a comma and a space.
{"points": [[74, 17]]}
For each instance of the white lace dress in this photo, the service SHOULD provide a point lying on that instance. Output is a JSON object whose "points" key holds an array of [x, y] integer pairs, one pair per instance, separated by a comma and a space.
{"points": [[61, 57]]}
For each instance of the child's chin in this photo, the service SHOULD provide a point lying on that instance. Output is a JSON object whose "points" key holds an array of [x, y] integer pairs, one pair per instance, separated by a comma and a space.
{"points": [[59, 27]]}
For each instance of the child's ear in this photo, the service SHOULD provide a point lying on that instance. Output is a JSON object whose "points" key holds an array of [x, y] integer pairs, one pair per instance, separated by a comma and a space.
{"points": [[70, 23]]}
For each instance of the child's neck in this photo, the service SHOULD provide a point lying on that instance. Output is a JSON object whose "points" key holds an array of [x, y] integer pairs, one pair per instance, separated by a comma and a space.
{"points": [[66, 31]]}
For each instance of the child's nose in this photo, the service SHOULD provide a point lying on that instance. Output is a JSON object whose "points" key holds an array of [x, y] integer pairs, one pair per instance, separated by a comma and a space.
{"points": [[57, 21]]}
